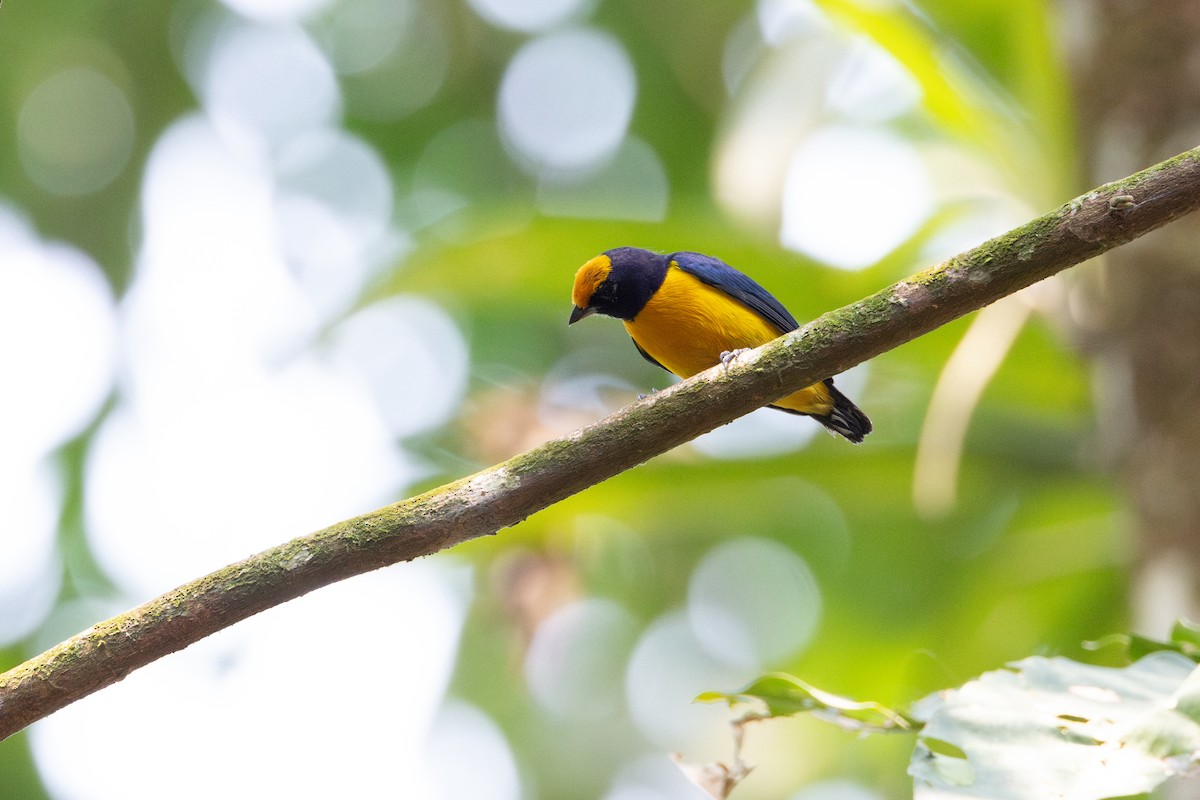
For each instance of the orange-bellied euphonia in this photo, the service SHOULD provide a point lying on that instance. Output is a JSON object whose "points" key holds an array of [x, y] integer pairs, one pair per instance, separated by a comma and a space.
{"points": [[685, 311]]}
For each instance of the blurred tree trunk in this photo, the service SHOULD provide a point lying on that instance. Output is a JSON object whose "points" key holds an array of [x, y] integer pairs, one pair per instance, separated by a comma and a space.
{"points": [[1137, 72]]}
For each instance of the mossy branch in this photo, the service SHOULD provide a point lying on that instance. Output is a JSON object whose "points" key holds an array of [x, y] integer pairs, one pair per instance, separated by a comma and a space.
{"points": [[505, 494]]}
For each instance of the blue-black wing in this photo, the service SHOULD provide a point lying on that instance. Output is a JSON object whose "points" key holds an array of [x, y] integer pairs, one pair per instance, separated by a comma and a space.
{"points": [[718, 274]]}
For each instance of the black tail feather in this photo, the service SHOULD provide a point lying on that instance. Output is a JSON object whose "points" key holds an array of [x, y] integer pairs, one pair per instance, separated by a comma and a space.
{"points": [[846, 419]]}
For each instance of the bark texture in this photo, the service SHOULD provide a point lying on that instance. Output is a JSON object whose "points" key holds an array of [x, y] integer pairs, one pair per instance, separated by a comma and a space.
{"points": [[505, 494]]}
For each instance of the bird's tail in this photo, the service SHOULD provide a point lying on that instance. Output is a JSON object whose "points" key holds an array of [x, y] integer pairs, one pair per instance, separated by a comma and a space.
{"points": [[846, 419]]}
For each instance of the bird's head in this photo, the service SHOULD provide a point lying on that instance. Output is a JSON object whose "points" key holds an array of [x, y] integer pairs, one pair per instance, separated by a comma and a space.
{"points": [[617, 283]]}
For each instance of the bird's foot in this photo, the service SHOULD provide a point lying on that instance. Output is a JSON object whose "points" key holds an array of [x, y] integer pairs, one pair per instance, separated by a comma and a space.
{"points": [[728, 356], [644, 396]]}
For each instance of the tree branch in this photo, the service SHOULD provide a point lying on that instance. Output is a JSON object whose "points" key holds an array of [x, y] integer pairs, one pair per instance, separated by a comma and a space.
{"points": [[505, 494]]}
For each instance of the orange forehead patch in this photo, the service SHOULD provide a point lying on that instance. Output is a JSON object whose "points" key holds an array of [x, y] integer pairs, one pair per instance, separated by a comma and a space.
{"points": [[588, 279]]}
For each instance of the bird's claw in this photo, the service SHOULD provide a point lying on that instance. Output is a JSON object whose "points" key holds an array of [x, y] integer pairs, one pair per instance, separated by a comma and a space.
{"points": [[644, 396], [728, 356]]}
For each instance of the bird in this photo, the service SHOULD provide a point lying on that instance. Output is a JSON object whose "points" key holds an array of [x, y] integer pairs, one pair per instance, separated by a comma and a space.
{"points": [[687, 312]]}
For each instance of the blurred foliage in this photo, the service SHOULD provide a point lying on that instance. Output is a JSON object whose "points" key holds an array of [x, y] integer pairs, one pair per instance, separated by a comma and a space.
{"points": [[1032, 559], [785, 695], [1053, 726], [1184, 639], [1042, 727]]}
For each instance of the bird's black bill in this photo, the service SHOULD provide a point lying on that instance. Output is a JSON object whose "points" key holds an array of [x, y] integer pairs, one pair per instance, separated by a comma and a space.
{"points": [[578, 313]]}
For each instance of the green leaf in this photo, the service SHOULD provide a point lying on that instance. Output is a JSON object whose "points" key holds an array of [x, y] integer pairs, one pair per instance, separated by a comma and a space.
{"points": [[784, 695], [1185, 639], [1052, 727], [1186, 634]]}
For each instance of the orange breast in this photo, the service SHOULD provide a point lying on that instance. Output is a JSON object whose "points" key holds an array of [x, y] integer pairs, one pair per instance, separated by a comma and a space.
{"points": [[687, 324]]}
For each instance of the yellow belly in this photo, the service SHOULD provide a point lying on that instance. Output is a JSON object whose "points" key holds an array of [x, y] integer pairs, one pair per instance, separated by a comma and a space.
{"points": [[687, 324]]}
